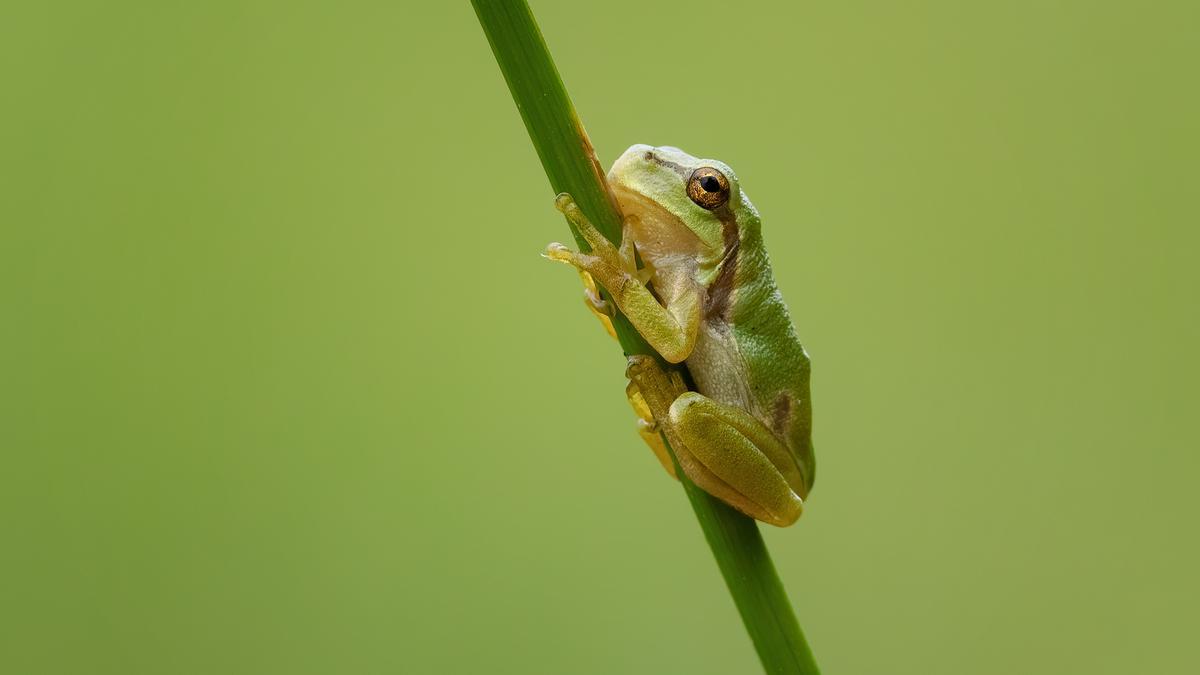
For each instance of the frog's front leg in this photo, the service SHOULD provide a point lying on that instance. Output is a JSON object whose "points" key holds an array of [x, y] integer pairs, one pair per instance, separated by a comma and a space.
{"points": [[670, 330], [723, 449]]}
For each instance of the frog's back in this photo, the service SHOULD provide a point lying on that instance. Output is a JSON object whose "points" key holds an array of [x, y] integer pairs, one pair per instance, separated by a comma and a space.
{"points": [[748, 354]]}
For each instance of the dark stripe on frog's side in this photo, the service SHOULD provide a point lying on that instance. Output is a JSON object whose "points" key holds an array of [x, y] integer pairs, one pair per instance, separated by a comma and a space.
{"points": [[720, 291], [782, 414]]}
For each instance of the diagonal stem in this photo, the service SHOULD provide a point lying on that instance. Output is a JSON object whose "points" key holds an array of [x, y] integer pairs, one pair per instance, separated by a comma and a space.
{"points": [[571, 165]]}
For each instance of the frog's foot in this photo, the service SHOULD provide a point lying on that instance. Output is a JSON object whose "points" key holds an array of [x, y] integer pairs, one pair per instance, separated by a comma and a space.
{"points": [[656, 387], [592, 297], [723, 449], [615, 261], [623, 258], [671, 330], [602, 309], [648, 429]]}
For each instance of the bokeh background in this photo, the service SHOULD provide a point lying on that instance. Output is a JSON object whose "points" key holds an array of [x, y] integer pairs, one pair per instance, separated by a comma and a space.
{"points": [[287, 389]]}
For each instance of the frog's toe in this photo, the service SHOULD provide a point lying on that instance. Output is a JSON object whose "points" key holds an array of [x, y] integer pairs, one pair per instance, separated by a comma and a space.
{"points": [[637, 364], [558, 252], [596, 303], [563, 201]]}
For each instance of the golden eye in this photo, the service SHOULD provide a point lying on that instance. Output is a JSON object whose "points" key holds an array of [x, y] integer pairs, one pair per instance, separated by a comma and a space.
{"points": [[708, 187]]}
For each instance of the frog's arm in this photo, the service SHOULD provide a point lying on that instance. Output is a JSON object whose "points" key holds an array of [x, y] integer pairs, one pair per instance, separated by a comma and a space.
{"points": [[723, 449], [670, 330]]}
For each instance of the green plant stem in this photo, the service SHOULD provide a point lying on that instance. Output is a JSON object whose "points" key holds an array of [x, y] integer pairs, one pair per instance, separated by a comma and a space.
{"points": [[571, 165]]}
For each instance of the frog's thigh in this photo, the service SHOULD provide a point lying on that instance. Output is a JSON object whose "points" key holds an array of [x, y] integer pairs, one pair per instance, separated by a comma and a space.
{"points": [[742, 452], [648, 429], [658, 389]]}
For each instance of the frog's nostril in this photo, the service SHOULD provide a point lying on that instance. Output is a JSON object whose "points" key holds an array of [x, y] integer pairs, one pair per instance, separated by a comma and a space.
{"points": [[649, 155]]}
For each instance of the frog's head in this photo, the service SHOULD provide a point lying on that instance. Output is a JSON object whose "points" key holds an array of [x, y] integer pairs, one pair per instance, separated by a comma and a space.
{"points": [[679, 204]]}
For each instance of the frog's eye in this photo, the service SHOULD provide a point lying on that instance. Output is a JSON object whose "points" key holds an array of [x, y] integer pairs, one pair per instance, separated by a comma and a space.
{"points": [[708, 187]]}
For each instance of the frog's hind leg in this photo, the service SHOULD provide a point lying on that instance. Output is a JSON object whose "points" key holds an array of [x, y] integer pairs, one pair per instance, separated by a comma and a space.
{"points": [[743, 452], [657, 389], [648, 429], [723, 449]]}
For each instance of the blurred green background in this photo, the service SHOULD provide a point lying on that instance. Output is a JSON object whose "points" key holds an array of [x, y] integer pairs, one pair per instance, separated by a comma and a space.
{"points": [[287, 388]]}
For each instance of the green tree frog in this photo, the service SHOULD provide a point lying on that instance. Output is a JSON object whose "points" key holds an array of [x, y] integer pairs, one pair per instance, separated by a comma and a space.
{"points": [[705, 295]]}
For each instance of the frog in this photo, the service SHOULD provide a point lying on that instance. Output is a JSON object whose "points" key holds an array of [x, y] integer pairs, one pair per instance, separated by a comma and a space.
{"points": [[692, 275]]}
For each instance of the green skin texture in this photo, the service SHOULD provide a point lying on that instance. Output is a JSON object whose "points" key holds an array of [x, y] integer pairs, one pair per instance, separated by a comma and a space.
{"points": [[744, 435]]}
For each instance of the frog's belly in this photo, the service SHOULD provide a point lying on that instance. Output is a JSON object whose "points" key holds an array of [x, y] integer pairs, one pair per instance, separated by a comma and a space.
{"points": [[719, 370]]}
